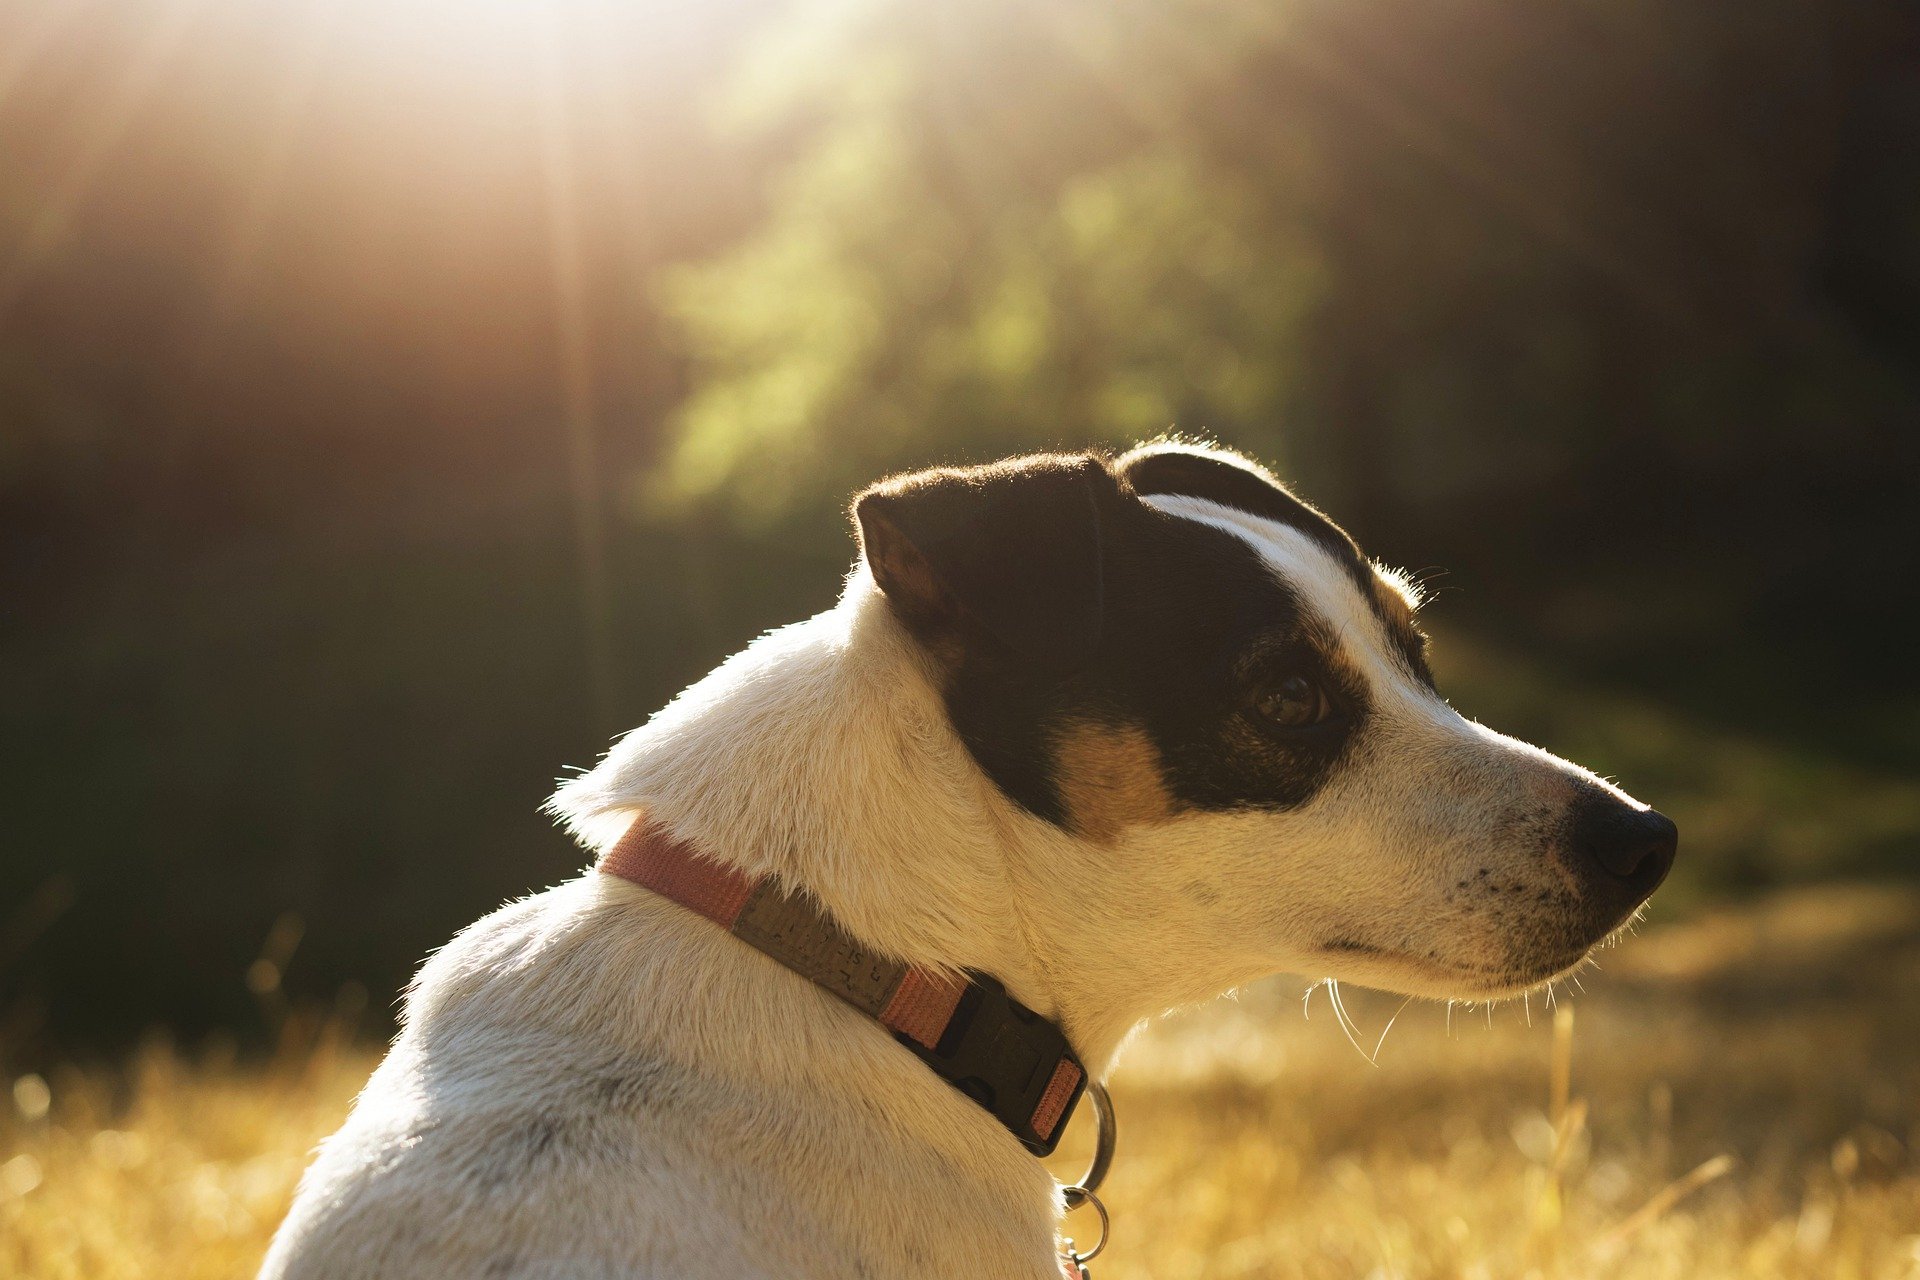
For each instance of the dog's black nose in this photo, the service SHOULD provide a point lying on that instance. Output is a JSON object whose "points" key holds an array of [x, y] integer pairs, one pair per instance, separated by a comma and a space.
{"points": [[1631, 849]]}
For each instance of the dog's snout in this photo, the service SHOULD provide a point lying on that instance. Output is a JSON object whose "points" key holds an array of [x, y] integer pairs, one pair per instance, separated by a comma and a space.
{"points": [[1630, 844], [1627, 852]]}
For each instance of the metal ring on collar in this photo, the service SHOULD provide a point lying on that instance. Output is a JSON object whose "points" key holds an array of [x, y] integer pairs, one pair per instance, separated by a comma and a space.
{"points": [[1107, 1132]]}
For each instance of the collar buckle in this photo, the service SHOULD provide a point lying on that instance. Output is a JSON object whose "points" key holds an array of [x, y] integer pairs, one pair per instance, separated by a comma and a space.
{"points": [[1011, 1061]]}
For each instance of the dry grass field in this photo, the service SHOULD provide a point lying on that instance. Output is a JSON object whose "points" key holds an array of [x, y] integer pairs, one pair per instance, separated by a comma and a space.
{"points": [[1736, 1096]]}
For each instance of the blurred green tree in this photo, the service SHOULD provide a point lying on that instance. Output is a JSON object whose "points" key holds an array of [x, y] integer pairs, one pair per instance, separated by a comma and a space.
{"points": [[1557, 262], [996, 236]]}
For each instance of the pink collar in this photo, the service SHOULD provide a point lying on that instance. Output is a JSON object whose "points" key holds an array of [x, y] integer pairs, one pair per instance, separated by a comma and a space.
{"points": [[1009, 1059]]}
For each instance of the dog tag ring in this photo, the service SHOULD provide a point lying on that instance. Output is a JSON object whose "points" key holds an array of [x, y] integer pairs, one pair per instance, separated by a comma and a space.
{"points": [[1073, 1262]]}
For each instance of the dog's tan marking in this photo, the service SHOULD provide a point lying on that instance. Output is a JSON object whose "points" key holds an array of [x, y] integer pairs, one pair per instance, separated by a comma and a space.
{"points": [[1109, 777]]}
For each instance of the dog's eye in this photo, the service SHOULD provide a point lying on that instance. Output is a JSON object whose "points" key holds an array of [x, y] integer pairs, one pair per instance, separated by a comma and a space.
{"points": [[1294, 703]]}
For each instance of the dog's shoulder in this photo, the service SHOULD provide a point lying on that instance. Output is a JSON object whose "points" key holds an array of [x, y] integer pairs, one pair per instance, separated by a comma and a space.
{"points": [[516, 1116], [594, 1081]]}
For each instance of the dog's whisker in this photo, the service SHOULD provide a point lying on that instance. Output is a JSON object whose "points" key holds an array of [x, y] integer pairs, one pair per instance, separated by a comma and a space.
{"points": [[1383, 1031], [1346, 1021]]}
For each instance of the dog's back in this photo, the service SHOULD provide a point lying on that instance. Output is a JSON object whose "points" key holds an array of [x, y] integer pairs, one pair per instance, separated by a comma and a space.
{"points": [[564, 1102]]}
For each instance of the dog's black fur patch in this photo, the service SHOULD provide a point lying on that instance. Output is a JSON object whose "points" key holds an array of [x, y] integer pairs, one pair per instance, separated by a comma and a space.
{"points": [[1009, 555], [1243, 485], [1181, 629]]}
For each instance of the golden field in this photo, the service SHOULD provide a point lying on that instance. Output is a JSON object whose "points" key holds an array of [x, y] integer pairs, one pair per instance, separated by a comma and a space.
{"points": [[1734, 1096]]}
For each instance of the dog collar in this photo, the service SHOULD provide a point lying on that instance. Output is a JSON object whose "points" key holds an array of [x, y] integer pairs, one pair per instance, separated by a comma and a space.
{"points": [[976, 1037]]}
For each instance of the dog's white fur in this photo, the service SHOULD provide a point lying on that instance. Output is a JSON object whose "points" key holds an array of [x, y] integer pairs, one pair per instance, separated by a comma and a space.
{"points": [[593, 1082]]}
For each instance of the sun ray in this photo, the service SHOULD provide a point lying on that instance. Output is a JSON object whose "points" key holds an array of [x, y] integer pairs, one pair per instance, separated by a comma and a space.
{"points": [[1474, 163], [318, 28], [615, 115], [573, 336], [109, 126], [21, 48]]}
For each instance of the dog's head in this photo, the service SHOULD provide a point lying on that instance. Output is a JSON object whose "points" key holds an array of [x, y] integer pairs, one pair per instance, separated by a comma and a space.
{"points": [[1171, 659]]}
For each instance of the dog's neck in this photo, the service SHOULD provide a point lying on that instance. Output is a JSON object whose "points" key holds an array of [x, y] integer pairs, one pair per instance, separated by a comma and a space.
{"points": [[823, 756]]}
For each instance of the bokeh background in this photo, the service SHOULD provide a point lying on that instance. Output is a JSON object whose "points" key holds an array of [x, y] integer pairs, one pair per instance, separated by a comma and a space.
{"points": [[397, 400], [400, 398]]}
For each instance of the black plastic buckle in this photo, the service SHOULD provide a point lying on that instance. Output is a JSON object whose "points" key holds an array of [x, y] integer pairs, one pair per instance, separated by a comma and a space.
{"points": [[1003, 1055]]}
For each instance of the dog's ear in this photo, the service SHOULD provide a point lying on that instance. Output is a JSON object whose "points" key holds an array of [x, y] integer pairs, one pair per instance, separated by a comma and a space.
{"points": [[1232, 480], [1008, 555]]}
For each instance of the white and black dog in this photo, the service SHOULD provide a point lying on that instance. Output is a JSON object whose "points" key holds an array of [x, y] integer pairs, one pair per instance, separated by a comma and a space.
{"points": [[1085, 739]]}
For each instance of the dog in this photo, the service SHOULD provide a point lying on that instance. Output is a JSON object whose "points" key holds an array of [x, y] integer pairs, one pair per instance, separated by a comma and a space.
{"points": [[1108, 735]]}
